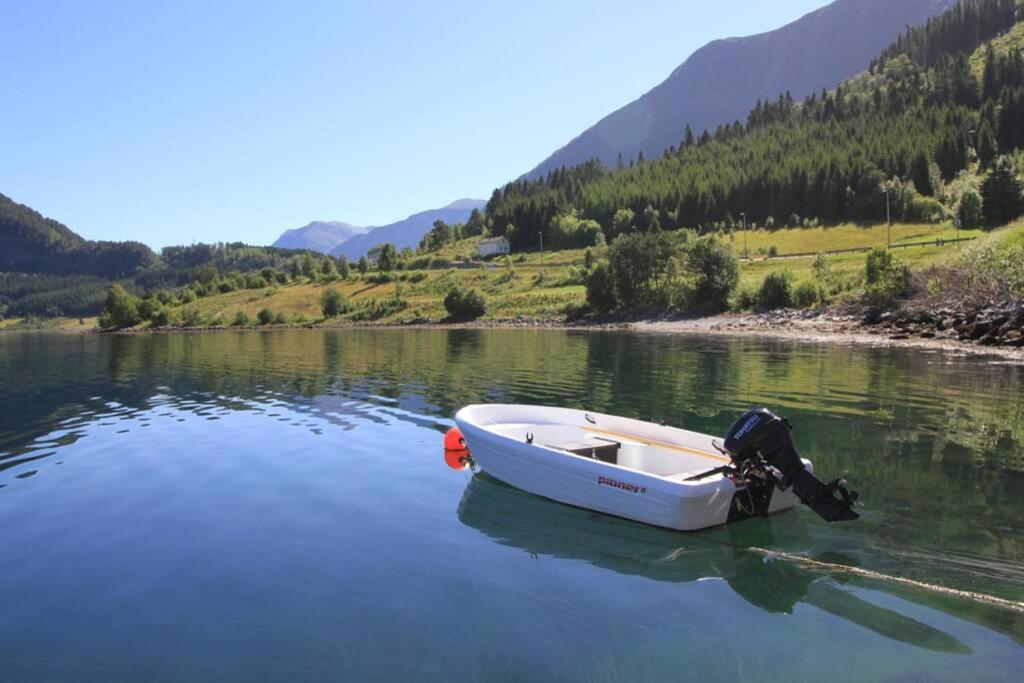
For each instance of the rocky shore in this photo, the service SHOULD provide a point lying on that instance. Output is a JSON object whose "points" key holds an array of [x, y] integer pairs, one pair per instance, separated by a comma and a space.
{"points": [[994, 324]]}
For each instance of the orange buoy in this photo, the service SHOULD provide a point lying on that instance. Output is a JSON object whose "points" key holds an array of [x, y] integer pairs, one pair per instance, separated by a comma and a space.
{"points": [[453, 440], [457, 460]]}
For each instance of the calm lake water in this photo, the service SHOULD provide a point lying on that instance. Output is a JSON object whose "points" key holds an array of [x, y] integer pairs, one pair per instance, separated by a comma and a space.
{"points": [[271, 506]]}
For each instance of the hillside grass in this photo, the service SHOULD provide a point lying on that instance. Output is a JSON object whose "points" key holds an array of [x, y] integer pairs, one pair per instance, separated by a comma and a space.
{"points": [[1003, 45], [844, 236], [542, 286]]}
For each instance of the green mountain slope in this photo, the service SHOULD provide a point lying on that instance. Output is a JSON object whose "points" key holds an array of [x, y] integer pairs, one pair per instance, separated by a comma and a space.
{"points": [[30, 242], [921, 124]]}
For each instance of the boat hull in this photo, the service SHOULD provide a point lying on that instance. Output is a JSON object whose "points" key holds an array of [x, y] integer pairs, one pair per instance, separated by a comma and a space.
{"points": [[660, 500]]}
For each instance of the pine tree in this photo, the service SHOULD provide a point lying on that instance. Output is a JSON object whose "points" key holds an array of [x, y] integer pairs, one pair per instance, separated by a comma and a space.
{"points": [[986, 145], [688, 141], [919, 174], [1001, 194]]}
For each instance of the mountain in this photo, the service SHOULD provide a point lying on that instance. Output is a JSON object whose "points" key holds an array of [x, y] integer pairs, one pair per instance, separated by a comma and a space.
{"points": [[26, 235], [721, 82], [922, 128], [30, 242], [408, 232], [319, 236]]}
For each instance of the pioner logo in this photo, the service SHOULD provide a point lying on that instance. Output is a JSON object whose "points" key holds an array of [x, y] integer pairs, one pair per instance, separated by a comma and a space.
{"points": [[632, 488]]}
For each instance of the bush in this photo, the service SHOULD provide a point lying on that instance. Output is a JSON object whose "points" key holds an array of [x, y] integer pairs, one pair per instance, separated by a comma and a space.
{"points": [[885, 276], [716, 271], [279, 318], [600, 288], [805, 294], [265, 316], [333, 303], [745, 298], [192, 317], [120, 310], [417, 276], [241, 319], [161, 317], [464, 304], [776, 290]]}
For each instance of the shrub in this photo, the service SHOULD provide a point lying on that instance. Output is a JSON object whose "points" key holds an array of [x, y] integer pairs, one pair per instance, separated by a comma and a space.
{"points": [[265, 316], [417, 276], [600, 288], [225, 286], [120, 310], [716, 271], [805, 294], [464, 304], [885, 276], [147, 307], [161, 317], [745, 298], [241, 319], [776, 290], [970, 210], [333, 303], [192, 317], [279, 318]]}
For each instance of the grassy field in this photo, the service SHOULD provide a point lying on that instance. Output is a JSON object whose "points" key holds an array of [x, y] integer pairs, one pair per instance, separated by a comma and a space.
{"points": [[534, 285], [845, 236]]}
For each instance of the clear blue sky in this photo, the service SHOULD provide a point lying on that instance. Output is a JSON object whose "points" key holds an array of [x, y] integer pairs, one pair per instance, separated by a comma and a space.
{"points": [[179, 121]]}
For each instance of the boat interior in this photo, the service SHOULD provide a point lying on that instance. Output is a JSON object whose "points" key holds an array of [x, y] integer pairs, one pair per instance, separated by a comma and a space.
{"points": [[676, 461]]}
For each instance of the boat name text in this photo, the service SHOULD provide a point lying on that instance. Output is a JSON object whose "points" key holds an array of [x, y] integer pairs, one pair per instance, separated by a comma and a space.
{"points": [[614, 483]]}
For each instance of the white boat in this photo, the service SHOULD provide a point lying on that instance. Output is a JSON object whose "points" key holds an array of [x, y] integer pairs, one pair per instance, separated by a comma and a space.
{"points": [[651, 473]]}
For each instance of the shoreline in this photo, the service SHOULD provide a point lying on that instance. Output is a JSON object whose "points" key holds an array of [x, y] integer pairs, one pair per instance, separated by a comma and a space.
{"points": [[794, 326]]}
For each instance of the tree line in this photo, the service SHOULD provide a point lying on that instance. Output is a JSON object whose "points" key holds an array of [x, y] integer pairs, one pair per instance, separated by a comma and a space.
{"points": [[909, 127]]}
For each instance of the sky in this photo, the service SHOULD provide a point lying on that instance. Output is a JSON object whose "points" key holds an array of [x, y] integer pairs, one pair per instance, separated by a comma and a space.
{"points": [[179, 122]]}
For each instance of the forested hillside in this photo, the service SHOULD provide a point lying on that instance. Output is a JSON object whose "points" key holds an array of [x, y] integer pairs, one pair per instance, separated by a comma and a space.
{"points": [[32, 243], [920, 124], [720, 82], [48, 270]]}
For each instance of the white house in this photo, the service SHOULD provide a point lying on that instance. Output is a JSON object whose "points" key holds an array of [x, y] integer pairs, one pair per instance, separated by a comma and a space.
{"points": [[492, 246]]}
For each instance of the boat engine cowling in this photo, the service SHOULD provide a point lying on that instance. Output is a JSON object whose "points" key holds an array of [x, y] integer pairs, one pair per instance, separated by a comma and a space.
{"points": [[760, 445]]}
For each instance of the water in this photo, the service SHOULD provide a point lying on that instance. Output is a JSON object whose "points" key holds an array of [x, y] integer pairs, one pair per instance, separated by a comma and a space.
{"points": [[274, 506]]}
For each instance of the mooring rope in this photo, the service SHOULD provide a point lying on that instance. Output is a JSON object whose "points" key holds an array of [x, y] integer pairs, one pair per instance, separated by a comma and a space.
{"points": [[871, 574]]}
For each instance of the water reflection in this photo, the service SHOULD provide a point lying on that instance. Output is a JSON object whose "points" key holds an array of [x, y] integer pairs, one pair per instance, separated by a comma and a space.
{"points": [[934, 443], [542, 527]]}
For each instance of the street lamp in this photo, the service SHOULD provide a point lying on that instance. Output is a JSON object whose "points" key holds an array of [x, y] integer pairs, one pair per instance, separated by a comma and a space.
{"points": [[746, 254], [888, 218]]}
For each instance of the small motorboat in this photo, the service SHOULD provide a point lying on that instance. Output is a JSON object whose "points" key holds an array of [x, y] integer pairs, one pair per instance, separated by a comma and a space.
{"points": [[650, 473]]}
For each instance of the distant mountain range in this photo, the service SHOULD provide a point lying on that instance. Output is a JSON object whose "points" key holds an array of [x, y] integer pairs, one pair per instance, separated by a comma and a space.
{"points": [[722, 81], [337, 238], [319, 236]]}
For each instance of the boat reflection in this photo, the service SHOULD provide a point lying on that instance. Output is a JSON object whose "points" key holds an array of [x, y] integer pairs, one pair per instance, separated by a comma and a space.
{"points": [[542, 527]]}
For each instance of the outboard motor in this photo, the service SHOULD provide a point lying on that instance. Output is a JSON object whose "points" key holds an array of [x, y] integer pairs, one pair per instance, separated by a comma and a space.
{"points": [[760, 445]]}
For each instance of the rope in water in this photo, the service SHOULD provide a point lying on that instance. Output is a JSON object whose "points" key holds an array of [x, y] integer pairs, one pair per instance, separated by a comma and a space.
{"points": [[868, 573]]}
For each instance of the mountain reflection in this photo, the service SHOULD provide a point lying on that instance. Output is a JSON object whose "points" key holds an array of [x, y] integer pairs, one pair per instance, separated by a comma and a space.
{"points": [[934, 443]]}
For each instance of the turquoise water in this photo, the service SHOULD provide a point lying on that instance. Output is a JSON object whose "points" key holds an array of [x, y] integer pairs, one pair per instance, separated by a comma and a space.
{"points": [[267, 506]]}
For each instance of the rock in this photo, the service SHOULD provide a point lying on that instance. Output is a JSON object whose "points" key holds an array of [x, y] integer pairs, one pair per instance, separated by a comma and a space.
{"points": [[979, 330], [989, 340], [928, 335], [899, 336], [886, 317]]}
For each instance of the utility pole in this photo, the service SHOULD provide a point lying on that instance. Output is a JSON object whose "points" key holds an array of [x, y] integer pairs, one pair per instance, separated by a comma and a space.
{"points": [[888, 218], [746, 254], [540, 236]]}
